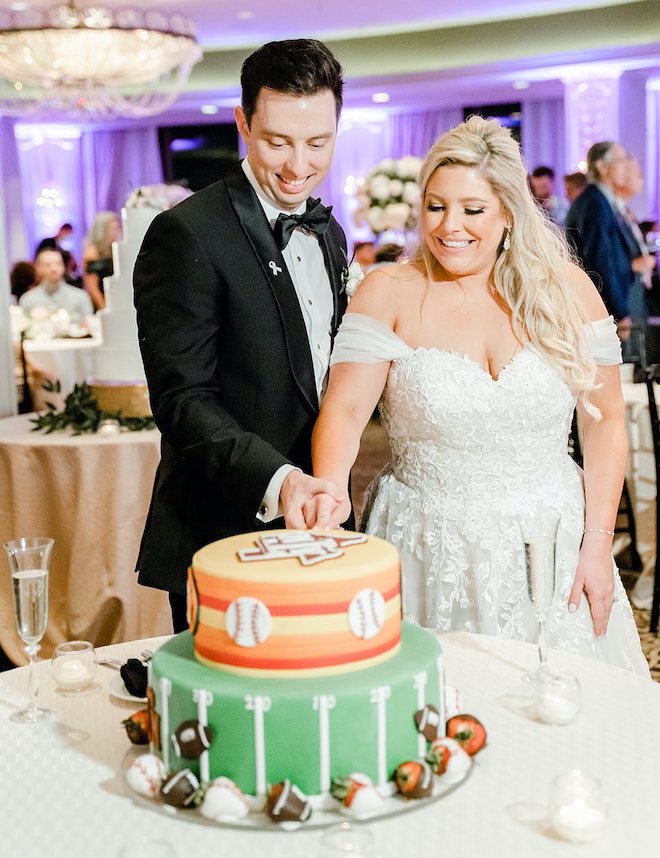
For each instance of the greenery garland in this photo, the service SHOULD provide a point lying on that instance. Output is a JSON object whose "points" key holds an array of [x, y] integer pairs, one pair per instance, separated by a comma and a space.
{"points": [[82, 414]]}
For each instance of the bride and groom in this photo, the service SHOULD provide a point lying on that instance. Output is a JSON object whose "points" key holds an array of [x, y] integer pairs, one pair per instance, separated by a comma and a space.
{"points": [[476, 350]]}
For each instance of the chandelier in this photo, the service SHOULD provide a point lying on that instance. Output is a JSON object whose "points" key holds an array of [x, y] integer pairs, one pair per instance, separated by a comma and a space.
{"points": [[93, 63]]}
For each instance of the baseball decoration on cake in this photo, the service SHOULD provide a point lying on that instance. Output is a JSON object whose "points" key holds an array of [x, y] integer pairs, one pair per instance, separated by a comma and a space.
{"points": [[119, 382], [145, 775], [223, 800], [248, 621], [299, 693], [366, 614]]}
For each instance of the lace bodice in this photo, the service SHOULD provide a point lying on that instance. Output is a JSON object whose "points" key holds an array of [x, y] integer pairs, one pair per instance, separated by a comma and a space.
{"points": [[469, 452]]}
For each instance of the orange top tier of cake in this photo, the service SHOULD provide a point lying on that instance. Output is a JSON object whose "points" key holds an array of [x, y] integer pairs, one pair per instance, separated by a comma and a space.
{"points": [[295, 603]]}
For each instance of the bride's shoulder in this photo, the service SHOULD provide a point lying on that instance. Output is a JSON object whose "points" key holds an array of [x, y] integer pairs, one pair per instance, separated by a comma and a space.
{"points": [[391, 285]]}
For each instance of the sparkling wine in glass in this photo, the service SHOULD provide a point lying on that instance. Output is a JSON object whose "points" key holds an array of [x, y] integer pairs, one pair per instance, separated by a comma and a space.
{"points": [[539, 526], [29, 560]]}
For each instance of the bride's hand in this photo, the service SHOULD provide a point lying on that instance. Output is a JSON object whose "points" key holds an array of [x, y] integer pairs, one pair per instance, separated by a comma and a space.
{"points": [[594, 577], [324, 512]]}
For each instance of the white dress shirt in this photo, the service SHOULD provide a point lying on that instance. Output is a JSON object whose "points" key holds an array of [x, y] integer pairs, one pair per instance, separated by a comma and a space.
{"points": [[306, 266]]}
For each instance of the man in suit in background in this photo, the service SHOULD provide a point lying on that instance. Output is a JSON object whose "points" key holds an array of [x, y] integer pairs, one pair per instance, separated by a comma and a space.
{"points": [[599, 233], [237, 306]]}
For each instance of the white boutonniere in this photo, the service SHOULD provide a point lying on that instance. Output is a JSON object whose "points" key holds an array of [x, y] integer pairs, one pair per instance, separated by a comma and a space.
{"points": [[350, 278]]}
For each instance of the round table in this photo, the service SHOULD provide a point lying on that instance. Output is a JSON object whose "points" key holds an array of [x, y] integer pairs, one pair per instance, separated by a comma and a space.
{"points": [[63, 784], [91, 494]]}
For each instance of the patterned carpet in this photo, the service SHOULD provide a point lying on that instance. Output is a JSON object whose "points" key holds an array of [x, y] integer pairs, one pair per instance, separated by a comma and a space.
{"points": [[374, 455]]}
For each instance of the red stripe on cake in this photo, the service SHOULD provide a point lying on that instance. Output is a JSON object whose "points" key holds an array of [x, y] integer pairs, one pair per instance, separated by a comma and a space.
{"points": [[293, 610]]}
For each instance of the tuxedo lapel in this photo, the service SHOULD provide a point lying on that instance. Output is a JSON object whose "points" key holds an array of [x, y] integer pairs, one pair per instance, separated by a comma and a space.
{"points": [[256, 226], [335, 262]]}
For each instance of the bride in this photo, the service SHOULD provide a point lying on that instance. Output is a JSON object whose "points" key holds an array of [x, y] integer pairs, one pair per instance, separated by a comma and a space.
{"points": [[479, 349]]}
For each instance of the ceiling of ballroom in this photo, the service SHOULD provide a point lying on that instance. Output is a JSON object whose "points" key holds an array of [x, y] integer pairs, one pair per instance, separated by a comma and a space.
{"points": [[424, 53]]}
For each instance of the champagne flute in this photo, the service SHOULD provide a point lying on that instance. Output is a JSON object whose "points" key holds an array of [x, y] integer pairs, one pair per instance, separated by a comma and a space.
{"points": [[539, 526], [29, 559]]}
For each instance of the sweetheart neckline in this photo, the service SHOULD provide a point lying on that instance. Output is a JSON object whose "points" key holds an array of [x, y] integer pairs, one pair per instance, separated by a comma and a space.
{"points": [[467, 359]]}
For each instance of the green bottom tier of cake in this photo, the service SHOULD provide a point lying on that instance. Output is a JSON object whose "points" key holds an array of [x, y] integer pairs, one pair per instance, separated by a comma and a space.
{"points": [[310, 730]]}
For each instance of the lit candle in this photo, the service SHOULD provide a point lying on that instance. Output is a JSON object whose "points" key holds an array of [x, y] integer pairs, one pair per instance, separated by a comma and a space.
{"points": [[577, 820], [109, 427], [558, 699], [73, 673]]}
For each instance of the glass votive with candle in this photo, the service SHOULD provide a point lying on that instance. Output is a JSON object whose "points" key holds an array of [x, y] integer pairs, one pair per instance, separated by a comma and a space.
{"points": [[109, 427], [557, 698], [347, 840], [73, 665], [578, 809]]}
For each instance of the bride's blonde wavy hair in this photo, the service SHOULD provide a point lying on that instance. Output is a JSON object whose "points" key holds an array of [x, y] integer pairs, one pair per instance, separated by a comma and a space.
{"points": [[528, 276]]}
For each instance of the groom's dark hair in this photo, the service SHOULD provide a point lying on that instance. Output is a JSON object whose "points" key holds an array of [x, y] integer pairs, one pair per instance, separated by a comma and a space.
{"points": [[294, 67]]}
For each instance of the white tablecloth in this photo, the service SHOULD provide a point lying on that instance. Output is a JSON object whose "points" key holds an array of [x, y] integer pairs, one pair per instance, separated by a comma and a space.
{"points": [[62, 795]]}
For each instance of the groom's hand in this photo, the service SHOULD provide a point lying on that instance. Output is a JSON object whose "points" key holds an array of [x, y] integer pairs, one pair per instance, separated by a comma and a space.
{"points": [[298, 490], [324, 512]]}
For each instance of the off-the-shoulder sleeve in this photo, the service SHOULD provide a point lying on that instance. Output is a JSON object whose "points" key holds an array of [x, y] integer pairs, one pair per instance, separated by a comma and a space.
{"points": [[604, 342], [365, 340]]}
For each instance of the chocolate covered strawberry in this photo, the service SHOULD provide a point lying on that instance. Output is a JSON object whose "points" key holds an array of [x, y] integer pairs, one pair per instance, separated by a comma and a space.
{"points": [[468, 731], [414, 779], [358, 794], [137, 727]]}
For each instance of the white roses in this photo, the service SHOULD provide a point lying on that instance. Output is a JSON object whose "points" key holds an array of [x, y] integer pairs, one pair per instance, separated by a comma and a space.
{"points": [[161, 197], [390, 197]]}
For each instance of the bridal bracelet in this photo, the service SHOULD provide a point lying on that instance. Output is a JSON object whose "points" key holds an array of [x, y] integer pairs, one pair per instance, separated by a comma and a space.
{"points": [[598, 530]]}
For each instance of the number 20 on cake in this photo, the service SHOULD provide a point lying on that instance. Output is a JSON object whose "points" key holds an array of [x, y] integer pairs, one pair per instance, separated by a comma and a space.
{"points": [[297, 664]]}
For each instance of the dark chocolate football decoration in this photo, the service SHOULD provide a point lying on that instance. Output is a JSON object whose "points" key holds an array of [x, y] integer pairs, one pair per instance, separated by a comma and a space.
{"points": [[286, 803], [134, 674], [179, 789], [428, 721], [191, 739]]}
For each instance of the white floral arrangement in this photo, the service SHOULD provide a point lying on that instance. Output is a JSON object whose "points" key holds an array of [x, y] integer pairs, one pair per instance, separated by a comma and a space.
{"points": [[161, 197], [390, 198]]}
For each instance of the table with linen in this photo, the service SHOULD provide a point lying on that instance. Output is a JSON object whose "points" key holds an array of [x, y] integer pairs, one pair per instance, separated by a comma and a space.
{"points": [[68, 360], [91, 494], [63, 791]]}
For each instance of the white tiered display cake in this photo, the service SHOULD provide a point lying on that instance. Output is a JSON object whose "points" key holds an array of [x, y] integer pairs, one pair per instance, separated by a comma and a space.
{"points": [[119, 383]]}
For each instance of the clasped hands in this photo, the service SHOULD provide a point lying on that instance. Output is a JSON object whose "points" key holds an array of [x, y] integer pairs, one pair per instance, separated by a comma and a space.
{"points": [[310, 502]]}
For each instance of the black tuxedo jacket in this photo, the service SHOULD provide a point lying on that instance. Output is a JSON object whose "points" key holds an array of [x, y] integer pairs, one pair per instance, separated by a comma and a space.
{"points": [[229, 368]]}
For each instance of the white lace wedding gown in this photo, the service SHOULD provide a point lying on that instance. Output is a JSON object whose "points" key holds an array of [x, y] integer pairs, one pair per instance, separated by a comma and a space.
{"points": [[468, 452]]}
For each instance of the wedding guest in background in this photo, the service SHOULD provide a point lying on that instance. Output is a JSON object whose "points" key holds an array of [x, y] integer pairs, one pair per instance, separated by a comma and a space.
{"points": [[53, 292], [239, 293], [630, 183], [22, 277], [542, 184], [386, 254], [364, 253], [479, 349], [71, 273], [574, 184], [97, 255], [55, 241], [600, 234]]}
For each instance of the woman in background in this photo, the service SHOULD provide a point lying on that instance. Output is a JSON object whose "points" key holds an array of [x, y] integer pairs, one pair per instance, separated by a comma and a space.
{"points": [[97, 255]]}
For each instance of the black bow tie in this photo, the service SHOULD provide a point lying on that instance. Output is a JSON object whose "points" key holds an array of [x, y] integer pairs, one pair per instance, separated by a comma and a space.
{"points": [[315, 220]]}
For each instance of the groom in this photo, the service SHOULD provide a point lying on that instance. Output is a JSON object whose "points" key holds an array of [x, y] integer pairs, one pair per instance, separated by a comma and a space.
{"points": [[237, 307]]}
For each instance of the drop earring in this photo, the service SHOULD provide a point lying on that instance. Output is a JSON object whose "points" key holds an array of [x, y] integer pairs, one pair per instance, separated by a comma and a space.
{"points": [[506, 245]]}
